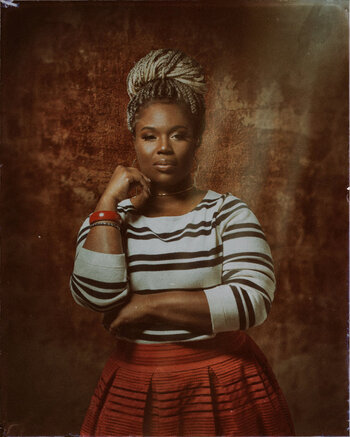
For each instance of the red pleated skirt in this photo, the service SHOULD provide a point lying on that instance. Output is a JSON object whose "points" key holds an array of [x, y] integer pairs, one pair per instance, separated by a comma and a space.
{"points": [[217, 387]]}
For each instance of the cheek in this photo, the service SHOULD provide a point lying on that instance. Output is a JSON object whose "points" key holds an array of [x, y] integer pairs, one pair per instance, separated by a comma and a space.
{"points": [[143, 155], [190, 156]]}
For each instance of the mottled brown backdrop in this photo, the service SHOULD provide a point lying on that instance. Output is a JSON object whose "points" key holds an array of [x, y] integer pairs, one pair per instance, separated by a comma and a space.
{"points": [[276, 137]]}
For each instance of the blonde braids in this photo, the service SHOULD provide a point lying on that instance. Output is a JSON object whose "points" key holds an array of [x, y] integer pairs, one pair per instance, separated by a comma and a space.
{"points": [[169, 75]]}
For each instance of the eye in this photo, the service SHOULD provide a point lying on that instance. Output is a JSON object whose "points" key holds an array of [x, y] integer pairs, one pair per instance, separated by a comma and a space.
{"points": [[148, 137], [179, 136]]}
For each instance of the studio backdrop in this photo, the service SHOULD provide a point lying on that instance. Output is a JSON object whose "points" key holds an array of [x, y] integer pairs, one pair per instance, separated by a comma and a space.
{"points": [[276, 137]]}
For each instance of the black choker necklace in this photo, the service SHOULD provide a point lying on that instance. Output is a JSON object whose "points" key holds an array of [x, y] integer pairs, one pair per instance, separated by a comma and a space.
{"points": [[174, 193]]}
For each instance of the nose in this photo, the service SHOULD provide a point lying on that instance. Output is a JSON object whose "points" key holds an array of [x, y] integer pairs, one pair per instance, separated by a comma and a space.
{"points": [[165, 145]]}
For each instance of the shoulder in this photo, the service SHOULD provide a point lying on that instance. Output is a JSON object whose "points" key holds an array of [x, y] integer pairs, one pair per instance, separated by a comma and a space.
{"points": [[226, 202], [231, 209]]}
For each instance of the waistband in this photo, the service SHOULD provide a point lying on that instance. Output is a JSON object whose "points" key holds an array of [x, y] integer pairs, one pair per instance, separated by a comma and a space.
{"points": [[179, 355]]}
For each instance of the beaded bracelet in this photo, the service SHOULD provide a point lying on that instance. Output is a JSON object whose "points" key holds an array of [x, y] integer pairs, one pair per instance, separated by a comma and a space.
{"points": [[100, 223], [105, 215]]}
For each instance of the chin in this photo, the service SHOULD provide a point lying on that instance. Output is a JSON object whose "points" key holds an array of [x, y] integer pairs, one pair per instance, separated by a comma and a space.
{"points": [[166, 181]]}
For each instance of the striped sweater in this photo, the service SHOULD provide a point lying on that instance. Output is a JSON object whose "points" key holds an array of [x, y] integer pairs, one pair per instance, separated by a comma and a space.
{"points": [[218, 247]]}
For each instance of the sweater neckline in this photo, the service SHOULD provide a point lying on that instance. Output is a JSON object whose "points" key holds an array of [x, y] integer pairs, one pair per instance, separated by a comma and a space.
{"points": [[172, 217]]}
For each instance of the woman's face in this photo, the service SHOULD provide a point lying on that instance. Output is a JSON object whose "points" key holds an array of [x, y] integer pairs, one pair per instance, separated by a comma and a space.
{"points": [[165, 143]]}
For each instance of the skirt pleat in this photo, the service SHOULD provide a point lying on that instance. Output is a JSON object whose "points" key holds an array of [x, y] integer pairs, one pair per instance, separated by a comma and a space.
{"points": [[218, 387]]}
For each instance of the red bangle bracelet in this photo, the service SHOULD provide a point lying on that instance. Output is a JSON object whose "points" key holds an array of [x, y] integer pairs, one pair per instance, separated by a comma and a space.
{"points": [[105, 215]]}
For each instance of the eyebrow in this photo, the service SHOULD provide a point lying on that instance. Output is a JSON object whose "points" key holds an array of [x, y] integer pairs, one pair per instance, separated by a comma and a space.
{"points": [[172, 129]]}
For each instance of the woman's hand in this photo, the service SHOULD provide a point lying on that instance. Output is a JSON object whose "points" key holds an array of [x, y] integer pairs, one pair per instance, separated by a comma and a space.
{"points": [[131, 318], [107, 239], [121, 184]]}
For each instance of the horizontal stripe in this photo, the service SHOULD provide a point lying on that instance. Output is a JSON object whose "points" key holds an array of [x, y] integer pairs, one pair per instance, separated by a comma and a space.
{"points": [[272, 278], [257, 254], [128, 389], [261, 379], [207, 202], [232, 274], [182, 396], [175, 266], [243, 235], [243, 226], [175, 255], [207, 395], [247, 260], [222, 217], [230, 205], [190, 234], [100, 301], [90, 304], [96, 293], [160, 290], [141, 399], [170, 235], [249, 399], [101, 284]]}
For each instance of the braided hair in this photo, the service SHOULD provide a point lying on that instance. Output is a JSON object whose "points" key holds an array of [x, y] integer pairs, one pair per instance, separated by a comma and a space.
{"points": [[171, 76]]}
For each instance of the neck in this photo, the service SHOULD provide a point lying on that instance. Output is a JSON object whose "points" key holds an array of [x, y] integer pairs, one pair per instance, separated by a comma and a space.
{"points": [[174, 193], [177, 190]]}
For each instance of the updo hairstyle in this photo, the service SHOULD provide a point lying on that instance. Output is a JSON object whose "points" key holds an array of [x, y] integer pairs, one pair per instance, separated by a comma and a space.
{"points": [[171, 76]]}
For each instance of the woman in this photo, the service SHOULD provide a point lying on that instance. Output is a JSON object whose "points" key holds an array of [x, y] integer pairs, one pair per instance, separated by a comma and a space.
{"points": [[180, 273]]}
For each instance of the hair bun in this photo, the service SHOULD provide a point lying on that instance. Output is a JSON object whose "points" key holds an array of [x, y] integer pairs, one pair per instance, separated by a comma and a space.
{"points": [[163, 64]]}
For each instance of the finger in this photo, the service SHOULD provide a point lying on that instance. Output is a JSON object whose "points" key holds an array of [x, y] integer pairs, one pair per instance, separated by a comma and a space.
{"points": [[139, 199], [148, 180], [114, 325], [140, 177], [144, 181], [139, 193], [136, 170], [136, 187]]}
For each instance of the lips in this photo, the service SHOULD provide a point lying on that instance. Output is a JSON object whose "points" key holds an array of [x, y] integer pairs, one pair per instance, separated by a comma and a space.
{"points": [[165, 165], [165, 162]]}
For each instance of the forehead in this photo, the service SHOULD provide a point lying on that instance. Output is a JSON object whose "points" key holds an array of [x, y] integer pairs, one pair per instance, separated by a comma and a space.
{"points": [[163, 114]]}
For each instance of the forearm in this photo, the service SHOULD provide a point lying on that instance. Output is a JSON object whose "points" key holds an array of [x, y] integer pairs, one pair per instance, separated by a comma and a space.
{"points": [[99, 277], [184, 309], [104, 239]]}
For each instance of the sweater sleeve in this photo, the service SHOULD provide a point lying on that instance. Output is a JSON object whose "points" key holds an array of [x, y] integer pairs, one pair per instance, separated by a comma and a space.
{"points": [[244, 297], [99, 280]]}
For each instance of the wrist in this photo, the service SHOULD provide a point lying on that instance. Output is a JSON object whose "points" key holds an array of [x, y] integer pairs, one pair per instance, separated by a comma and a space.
{"points": [[107, 203]]}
